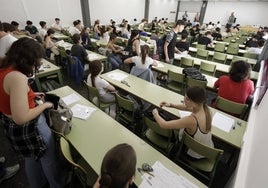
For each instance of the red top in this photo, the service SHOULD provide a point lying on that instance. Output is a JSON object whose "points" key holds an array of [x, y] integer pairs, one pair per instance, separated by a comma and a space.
{"points": [[5, 98], [234, 91]]}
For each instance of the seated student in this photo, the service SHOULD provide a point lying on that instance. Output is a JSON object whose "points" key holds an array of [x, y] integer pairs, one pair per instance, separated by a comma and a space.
{"points": [[142, 24], [236, 86], [183, 45], [86, 41], [105, 89], [75, 28], [257, 50], [125, 31], [33, 31], [17, 30], [206, 40], [227, 33], [105, 34], [197, 124], [96, 30], [114, 29], [118, 167], [56, 25], [134, 42], [50, 46], [253, 42], [217, 34], [78, 50], [194, 32], [43, 30], [114, 57]]}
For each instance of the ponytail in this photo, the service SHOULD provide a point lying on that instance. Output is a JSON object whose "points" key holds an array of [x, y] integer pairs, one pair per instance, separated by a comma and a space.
{"points": [[208, 117], [144, 53]]}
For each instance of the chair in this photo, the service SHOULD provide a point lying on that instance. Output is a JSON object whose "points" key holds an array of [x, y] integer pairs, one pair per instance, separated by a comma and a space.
{"points": [[251, 55], [205, 167], [175, 81], [95, 98], [232, 50], [63, 56], [125, 111], [219, 57], [193, 82], [230, 107], [201, 46], [77, 170], [207, 68], [75, 68], [220, 47], [158, 137], [236, 45], [241, 40], [239, 58], [202, 54], [186, 62]]}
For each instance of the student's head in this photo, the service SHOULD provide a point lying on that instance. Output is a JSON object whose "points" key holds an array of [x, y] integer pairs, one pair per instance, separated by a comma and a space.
{"points": [[134, 33], [196, 94], [240, 70], [144, 52], [76, 38], [208, 33], [184, 36], [86, 30], [76, 23], [102, 30], [29, 23], [97, 22], [50, 32], [24, 55], [57, 20], [8, 27], [218, 29], [118, 167], [14, 23], [112, 37], [42, 24], [95, 68], [180, 24], [261, 42]]}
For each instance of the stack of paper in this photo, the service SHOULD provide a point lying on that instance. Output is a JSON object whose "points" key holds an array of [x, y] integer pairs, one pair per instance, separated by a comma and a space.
{"points": [[222, 122], [117, 76], [70, 99]]}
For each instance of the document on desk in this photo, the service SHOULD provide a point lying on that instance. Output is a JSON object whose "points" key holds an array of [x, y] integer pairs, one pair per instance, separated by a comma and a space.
{"points": [[70, 99], [159, 64], [163, 177], [117, 76], [222, 122], [82, 111], [92, 56]]}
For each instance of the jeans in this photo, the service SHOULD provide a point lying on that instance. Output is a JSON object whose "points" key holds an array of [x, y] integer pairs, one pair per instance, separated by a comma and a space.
{"points": [[46, 169], [115, 61], [2, 170]]}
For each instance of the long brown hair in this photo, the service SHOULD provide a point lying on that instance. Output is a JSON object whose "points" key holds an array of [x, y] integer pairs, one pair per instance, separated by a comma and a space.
{"points": [[198, 95], [144, 53], [95, 69]]}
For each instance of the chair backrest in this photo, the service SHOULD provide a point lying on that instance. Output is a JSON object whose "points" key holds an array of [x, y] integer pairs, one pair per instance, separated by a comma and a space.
{"points": [[78, 170], [233, 108], [124, 103], [193, 82], [239, 58], [251, 55], [201, 53], [175, 80], [201, 46], [232, 50], [93, 94], [62, 51], [232, 44], [156, 128], [219, 57], [207, 68], [219, 47], [186, 62], [241, 40]]}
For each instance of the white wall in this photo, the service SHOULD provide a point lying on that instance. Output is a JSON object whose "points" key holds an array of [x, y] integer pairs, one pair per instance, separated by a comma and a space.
{"points": [[247, 13], [163, 9], [37, 10], [104, 10]]}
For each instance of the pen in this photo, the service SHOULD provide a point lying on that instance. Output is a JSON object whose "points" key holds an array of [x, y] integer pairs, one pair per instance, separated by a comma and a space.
{"points": [[140, 171]]}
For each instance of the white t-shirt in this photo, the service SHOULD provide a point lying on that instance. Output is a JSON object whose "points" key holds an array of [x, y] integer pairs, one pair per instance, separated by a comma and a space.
{"points": [[138, 62], [57, 26], [141, 26], [5, 43], [100, 84], [43, 33], [105, 39], [73, 30], [255, 50]]}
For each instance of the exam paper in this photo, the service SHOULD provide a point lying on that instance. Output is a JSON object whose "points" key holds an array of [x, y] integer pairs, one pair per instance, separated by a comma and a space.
{"points": [[70, 99], [92, 56], [117, 76], [163, 177], [222, 122], [82, 111]]}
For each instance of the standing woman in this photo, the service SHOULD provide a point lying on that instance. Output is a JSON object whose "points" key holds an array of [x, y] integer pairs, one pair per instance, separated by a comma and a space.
{"points": [[51, 47], [23, 119], [197, 124]]}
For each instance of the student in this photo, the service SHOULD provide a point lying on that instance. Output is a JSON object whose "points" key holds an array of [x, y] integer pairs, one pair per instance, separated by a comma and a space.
{"points": [[75, 28], [253, 42], [114, 29], [105, 89], [114, 57], [31, 28], [183, 45], [96, 30], [43, 30], [143, 61], [237, 86], [197, 124], [56, 25], [206, 40], [78, 50], [170, 42], [142, 24], [134, 42], [257, 50], [118, 167], [86, 41], [217, 34], [185, 16], [24, 119], [5, 42], [17, 30], [105, 34], [195, 32], [125, 31], [51, 47]]}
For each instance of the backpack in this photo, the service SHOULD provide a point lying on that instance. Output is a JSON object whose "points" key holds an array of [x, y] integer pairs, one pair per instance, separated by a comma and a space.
{"points": [[194, 73]]}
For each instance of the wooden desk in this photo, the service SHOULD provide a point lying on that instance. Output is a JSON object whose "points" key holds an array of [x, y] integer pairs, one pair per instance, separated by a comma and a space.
{"points": [[219, 66], [93, 137], [48, 70], [155, 94], [60, 36]]}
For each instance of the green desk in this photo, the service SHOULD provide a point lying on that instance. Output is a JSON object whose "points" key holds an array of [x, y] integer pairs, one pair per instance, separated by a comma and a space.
{"points": [[48, 70], [60, 36], [93, 137], [155, 94]]}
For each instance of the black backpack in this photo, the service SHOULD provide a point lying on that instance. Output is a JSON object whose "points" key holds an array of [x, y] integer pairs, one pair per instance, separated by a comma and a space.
{"points": [[194, 73]]}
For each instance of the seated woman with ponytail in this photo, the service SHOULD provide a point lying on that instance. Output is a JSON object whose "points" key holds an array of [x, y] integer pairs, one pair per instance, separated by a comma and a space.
{"points": [[118, 167], [197, 124]]}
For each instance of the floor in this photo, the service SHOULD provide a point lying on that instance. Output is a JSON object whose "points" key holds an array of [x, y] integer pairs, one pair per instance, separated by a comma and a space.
{"points": [[20, 180]]}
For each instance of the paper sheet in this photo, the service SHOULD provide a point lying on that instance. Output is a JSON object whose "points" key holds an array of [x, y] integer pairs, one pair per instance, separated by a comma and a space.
{"points": [[222, 122], [82, 111], [184, 113], [70, 99], [117, 76], [159, 64], [93, 56], [163, 177]]}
